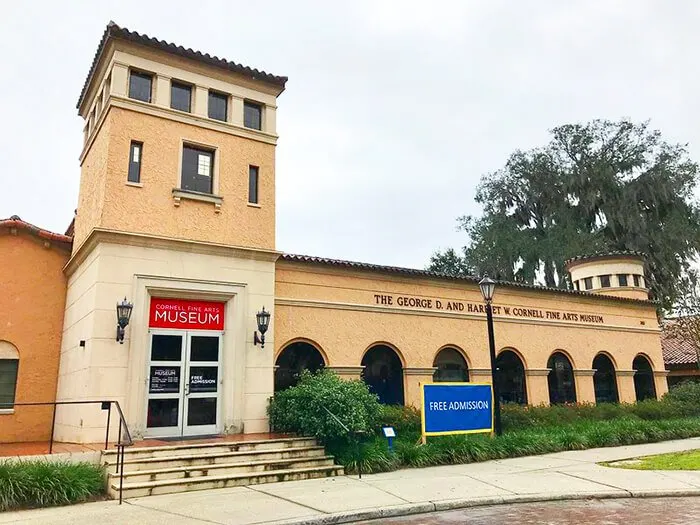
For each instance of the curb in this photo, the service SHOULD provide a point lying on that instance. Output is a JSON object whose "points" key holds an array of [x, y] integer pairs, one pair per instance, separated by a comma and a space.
{"points": [[444, 505]]}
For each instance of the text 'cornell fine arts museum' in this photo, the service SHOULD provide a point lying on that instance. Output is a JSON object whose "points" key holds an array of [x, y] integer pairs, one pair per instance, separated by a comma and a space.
{"points": [[176, 214]]}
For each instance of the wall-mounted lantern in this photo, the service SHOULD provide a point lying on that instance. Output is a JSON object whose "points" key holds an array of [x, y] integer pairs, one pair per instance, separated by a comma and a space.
{"points": [[263, 320], [123, 315]]}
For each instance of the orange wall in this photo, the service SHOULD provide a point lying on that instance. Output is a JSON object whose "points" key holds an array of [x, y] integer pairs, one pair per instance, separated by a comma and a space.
{"points": [[31, 318]]}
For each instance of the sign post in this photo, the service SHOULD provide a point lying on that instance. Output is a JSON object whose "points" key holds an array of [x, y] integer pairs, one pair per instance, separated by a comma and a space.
{"points": [[456, 408]]}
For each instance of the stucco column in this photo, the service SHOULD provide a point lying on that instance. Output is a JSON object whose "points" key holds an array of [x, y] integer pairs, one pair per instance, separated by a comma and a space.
{"points": [[201, 98], [625, 386], [480, 375], [349, 373], [585, 391], [161, 91], [661, 382], [412, 378], [537, 386], [119, 80], [236, 111]]}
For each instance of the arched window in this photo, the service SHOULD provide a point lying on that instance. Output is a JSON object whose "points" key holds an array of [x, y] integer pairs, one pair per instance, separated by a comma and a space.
{"points": [[383, 374], [510, 378], [604, 380], [9, 364], [643, 379], [292, 360], [451, 366], [561, 379]]}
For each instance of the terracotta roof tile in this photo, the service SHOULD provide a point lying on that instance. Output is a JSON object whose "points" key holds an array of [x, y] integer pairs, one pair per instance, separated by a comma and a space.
{"points": [[14, 221], [617, 253], [114, 31], [438, 275], [676, 350]]}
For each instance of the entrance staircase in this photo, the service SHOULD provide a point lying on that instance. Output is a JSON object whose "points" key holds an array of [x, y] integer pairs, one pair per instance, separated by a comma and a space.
{"points": [[185, 467]]}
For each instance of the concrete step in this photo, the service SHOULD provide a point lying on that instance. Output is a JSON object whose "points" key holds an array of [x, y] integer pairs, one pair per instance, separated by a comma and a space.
{"points": [[213, 458], [169, 486], [201, 448], [219, 470]]}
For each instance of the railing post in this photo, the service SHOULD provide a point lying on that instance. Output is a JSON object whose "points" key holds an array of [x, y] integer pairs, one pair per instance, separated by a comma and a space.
{"points": [[119, 441], [109, 414], [53, 426], [121, 471]]}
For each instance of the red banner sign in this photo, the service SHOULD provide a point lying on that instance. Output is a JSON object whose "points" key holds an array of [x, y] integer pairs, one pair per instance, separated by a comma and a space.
{"points": [[183, 314]]}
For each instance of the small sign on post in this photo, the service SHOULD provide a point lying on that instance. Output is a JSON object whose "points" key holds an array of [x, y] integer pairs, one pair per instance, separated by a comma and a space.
{"points": [[456, 408]]}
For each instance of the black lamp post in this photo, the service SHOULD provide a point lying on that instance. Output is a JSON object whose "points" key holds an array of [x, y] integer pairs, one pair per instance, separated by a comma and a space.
{"points": [[488, 287], [123, 315], [263, 320]]}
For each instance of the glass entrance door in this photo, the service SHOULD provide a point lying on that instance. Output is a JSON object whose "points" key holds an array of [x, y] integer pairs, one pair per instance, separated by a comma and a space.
{"points": [[184, 378]]}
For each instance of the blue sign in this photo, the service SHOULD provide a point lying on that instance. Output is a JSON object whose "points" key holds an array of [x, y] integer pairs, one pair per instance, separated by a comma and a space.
{"points": [[456, 408]]}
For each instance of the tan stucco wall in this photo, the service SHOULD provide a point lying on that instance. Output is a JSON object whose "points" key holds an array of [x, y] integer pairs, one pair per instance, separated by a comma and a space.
{"points": [[31, 315], [136, 268], [151, 208], [337, 309]]}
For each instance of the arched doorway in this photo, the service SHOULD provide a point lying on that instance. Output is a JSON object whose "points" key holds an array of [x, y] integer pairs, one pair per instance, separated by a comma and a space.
{"points": [[294, 358], [451, 366], [604, 380], [383, 374], [510, 378], [643, 379], [560, 379]]}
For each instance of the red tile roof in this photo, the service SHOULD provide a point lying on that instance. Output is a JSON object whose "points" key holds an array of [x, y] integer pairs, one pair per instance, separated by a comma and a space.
{"points": [[677, 350], [14, 222]]}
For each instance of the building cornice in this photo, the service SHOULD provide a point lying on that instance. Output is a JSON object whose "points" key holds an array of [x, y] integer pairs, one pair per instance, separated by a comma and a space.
{"points": [[335, 305], [100, 235]]}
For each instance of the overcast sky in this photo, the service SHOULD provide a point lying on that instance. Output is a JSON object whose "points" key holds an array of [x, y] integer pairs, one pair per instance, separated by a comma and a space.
{"points": [[393, 110]]}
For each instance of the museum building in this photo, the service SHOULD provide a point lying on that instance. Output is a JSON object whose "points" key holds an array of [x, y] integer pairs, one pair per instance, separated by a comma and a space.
{"points": [[175, 224]]}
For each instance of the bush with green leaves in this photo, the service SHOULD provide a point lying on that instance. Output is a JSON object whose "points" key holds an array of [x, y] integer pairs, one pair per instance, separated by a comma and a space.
{"points": [[402, 418], [685, 393], [303, 409], [44, 483]]}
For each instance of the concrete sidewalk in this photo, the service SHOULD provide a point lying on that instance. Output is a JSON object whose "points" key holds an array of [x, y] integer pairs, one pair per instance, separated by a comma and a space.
{"points": [[564, 475]]}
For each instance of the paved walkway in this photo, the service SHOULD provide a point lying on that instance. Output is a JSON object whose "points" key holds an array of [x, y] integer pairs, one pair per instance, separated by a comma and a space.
{"points": [[564, 475]]}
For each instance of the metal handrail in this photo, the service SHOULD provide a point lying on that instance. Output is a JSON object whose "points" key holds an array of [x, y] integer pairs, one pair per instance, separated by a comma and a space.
{"points": [[105, 405], [355, 434]]}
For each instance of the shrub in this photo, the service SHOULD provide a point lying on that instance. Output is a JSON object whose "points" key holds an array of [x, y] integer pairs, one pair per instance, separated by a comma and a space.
{"points": [[302, 408], [25, 484], [403, 418], [685, 393]]}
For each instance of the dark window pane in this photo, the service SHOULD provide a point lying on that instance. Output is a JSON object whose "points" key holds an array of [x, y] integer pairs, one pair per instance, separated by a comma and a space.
{"points": [[140, 86], [576, 285], [197, 169], [605, 281], [204, 348], [451, 366], [588, 283], [622, 279], [218, 106], [203, 379], [252, 115], [201, 411], [636, 280], [166, 347], [8, 382], [135, 154], [163, 412], [253, 184], [561, 380], [180, 96], [164, 380]]}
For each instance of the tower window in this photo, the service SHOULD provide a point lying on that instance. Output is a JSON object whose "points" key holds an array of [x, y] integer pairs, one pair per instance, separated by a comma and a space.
{"points": [[135, 154], [588, 283], [605, 281], [197, 169], [180, 96], [253, 184], [636, 280], [218, 106], [140, 86], [622, 279], [576, 285], [252, 115]]}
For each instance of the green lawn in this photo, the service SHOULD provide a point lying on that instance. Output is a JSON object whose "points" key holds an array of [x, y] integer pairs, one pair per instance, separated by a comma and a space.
{"points": [[676, 461]]}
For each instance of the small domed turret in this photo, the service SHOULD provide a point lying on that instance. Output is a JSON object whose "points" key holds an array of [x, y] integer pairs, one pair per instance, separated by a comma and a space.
{"points": [[616, 273]]}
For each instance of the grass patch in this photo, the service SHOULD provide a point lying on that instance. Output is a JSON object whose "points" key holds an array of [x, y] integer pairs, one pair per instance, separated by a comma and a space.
{"points": [[28, 484], [674, 461]]}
